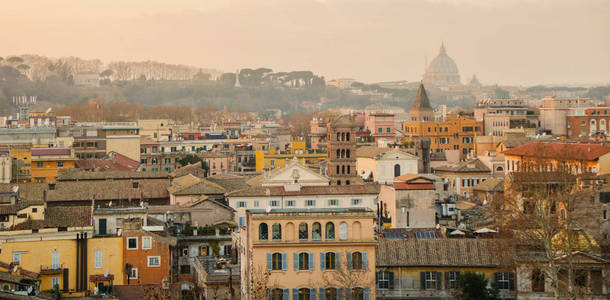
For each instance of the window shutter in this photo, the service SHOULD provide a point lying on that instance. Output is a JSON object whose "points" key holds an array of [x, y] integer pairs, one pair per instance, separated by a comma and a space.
{"points": [[311, 260], [447, 284], [295, 294], [322, 261], [511, 281], [286, 294], [391, 285], [367, 294], [312, 294], [269, 264], [439, 280], [377, 278], [365, 261], [349, 260], [284, 261], [296, 261], [422, 277], [340, 294], [338, 260], [497, 279], [322, 294], [457, 275]]}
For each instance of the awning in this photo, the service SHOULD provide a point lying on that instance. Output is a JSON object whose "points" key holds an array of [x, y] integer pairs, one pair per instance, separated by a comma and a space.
{"points": [[101, 277], [457, 232], [486, 230]]}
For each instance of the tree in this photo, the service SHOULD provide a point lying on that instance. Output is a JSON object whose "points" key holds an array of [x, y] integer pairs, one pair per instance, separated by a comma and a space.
{"points": [[473, 286], [190, 159], [106, 73], [15, 60], [347, 279], [260, 284]]}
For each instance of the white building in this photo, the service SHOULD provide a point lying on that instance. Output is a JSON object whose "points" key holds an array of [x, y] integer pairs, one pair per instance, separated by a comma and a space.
{"points": [[384, 164]]}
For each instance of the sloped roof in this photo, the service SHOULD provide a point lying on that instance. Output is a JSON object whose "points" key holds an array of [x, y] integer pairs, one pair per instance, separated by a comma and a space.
{"points": [[51, 151], [229, 182], [421, 101], [413, 182], [11, 209], [370, 151], [344, 121], [490, 185], [194, 169], [74, 174], [182, 182], [513, 142], [559, 150], [308, 190], [442, 252], [474, 165], [203, 187], [114, 161], [65, 216]]}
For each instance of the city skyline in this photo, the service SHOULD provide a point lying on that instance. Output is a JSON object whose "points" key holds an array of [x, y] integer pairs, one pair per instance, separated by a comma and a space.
{"points": [[505, 42]]}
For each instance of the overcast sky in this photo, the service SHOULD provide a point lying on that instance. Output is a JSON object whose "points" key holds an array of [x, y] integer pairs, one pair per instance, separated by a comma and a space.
{"points": [[502, 41]]}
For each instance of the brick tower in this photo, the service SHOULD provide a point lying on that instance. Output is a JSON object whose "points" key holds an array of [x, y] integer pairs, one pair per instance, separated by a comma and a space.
{"points": [[341, 167]]}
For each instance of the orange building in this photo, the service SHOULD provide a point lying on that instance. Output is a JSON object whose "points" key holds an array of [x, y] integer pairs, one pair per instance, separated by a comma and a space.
{"points": [[46, 163], [451, 133]]}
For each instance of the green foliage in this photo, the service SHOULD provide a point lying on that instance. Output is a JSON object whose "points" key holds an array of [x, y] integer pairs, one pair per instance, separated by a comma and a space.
{"points": [[599, 93], [106, 73], [190, 159], [473, 286], [215, 248], [15, 60]]}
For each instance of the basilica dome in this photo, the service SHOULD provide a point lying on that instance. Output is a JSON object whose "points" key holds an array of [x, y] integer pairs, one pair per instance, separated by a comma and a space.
{"points": [[443, 63]]}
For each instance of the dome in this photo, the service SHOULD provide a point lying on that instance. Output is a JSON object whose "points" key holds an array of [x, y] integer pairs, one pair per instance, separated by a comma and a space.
{"points": [[443, 63]]}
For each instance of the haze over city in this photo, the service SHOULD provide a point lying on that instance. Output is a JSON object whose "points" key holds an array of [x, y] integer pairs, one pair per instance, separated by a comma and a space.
{"points": [[523, 42]]}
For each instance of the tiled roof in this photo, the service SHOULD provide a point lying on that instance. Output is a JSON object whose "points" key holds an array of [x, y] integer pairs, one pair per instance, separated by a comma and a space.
{"points": [[229, 182], [12, 209], [50, 151], [421, 99], [474, 165], [514, 142], [308, 190], [68, 175], [442, 252], [203, 187], [66, 216], [194, 169], [370, 151], [114, 161], [562, 151], [490, 185]]}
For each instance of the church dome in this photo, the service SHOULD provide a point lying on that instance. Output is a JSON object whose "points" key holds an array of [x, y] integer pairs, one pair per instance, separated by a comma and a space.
{"points": [[443, 63]]}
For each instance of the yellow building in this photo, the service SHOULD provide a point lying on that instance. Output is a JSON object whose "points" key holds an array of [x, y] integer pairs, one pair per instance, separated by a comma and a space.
{"points": [[156, 129], [326, 252], [22, 158], [46, 162], [272, 159], [105, 264], [409, 267], [14, 214]]}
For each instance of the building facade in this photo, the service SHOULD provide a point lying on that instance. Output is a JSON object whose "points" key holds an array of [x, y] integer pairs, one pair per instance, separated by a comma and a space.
{"points": [[341, 151]]}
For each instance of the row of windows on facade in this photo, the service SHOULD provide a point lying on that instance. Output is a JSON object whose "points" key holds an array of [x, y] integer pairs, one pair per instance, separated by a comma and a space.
{"points": [[549, 166], [316, 231], [435, 280], [440, 129], [342, 169], [329, 293], [593, 124], [305, 261], [58, 164], [380, 130], [446, 140], [343, 153], [343, 136], [293, 203]]}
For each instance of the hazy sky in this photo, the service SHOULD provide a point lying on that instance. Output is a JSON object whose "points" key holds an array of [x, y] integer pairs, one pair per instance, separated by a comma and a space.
{"points": [[502, 41]]}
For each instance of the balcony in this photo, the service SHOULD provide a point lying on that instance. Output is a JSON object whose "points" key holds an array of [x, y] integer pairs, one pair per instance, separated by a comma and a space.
{"points": [[51, 269]]}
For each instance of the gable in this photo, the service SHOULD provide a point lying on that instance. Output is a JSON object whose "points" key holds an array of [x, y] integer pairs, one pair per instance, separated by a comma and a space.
{"points": [[396, 154], [294, 171]]}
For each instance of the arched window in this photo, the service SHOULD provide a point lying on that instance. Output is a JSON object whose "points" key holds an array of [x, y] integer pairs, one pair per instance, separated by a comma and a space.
{"points": [[303, 234], [331, 294], [277, 231], [303, 261], [330, 231], [342, 153], [537, 281], [343, 169], [356, 260], [356, 230], [347, 154], [358, 293], [330, 260], [338, 153], [277, 294], [342, 136], [499, 169], [338, 169], [347, 136], [602, 125], [343, 231], [289, 229], [263, 232], [349, 169], [396, 170], [338, 181], [304, 294], [347, 182], [276, 261], [316, 231], [338, 136]]}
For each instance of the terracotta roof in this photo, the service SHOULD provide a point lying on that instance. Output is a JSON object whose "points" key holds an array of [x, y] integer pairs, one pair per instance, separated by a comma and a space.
{"points": [[229, 182], [421, 99], [559, 150], [183, 182], [203, 187], [65, 216], [69, 175], [441, 252], [414, 182], [514, 142], [474, 165], [51, 151], [370, 151], [114, 161], [308, 190], [345, 121], [490, 185], [194, 169], [12, 209]]}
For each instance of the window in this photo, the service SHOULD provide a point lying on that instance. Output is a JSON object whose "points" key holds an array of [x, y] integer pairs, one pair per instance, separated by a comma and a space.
{"points": [[303, 233], [39, 164], [356, 202], [133, 273], [290, 203], [55, 282], [304, 294], [331, 294], [256, 203], [358, 294], [396, 170], [356, 260], [304, 261], [343, 231], [537, 281], [146, 242], [316, 231], [34, 209], [263, 232], [17, 257], [430, 280], [185, 269], [55, 260], [132, 243], [333, 202], [98, 259], [605, 214], [505, 280], [154, 261], [241, 204], [242, 221], [310, 202], [276, 261], [380, 130], [452, 279], [277, 294], [330, 231], [274, 203], [385, 280], [329, 260], [60, 164], [388, 130], [276, 231]]}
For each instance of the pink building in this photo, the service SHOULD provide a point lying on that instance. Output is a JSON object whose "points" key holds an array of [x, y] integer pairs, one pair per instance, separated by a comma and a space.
{"points": [[381, 125], [317, 133]]}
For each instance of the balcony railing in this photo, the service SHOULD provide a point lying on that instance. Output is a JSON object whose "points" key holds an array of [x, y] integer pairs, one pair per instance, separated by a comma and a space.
{"points": [[51, 269]]}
